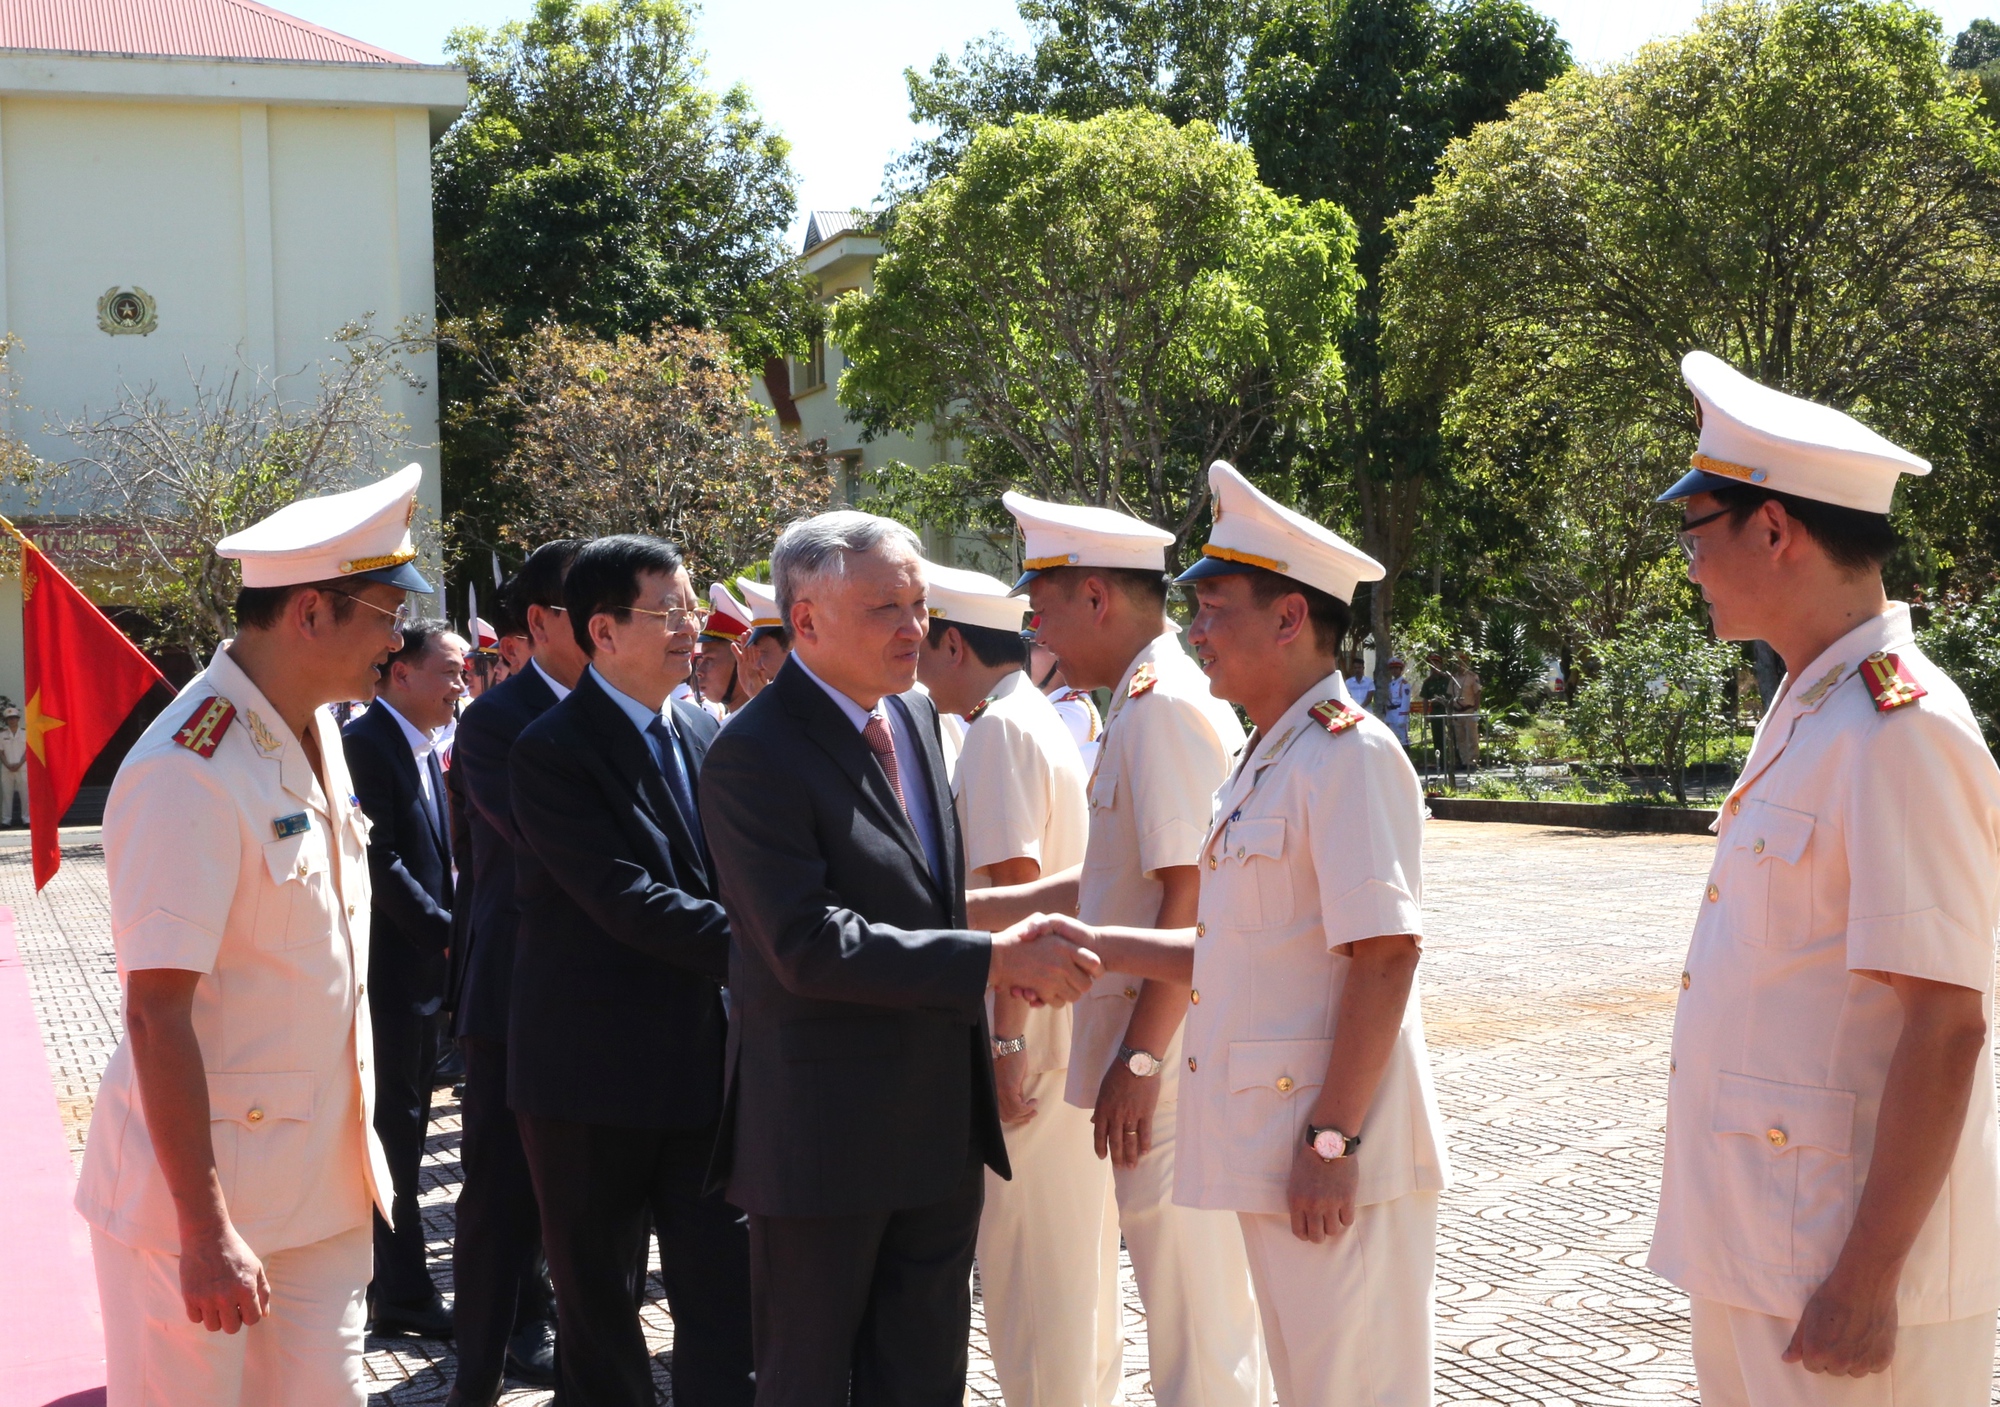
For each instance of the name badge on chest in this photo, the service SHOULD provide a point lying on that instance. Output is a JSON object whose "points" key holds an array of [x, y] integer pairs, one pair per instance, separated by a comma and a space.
{"points": [[289, 826]]}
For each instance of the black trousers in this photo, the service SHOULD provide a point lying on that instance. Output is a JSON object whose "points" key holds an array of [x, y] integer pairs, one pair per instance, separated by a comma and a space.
{"points": [[496, 1248], [405, 1055], [874, 1309], [597, 1185]]}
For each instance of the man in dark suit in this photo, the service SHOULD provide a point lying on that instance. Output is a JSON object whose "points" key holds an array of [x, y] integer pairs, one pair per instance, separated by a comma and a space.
{"points": [[617, 1027], [392, 758], [502, 1311], [861, 1103]]}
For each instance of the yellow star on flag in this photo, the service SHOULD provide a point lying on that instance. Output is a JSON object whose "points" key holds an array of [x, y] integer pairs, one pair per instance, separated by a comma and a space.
{"points": [[38, 724]]}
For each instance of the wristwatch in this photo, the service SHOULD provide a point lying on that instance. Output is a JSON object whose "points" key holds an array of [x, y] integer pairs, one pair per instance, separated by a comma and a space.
{"points": [[1139, 1062], [1330, 1143], [1013, 1045]]}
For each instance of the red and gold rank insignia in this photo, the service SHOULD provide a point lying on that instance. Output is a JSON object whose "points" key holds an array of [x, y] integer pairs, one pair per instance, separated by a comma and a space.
{"points": [[1143, 679], [1334, 716], [202, 733], [978, 708], [1891, 685]]}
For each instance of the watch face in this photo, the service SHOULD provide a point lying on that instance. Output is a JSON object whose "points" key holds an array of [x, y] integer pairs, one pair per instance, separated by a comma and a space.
{"points": [[1141, 1064], [1329, 1143]]}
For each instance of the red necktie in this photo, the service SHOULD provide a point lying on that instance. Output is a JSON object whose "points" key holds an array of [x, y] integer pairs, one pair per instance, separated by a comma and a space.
{"points": [[876, 733]]}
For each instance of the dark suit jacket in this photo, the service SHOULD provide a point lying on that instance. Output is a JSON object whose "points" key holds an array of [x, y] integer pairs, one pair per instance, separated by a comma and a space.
{"points": [[617, 1014], [860, 1075], [409, 865], [479, 756]]}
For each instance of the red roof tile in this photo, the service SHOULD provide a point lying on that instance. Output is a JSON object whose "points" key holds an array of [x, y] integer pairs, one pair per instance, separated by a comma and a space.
{"points": [[202, 29]]}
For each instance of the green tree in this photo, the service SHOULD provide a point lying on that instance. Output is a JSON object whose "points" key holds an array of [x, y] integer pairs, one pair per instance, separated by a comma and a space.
{"points": [[1802, 189], [1355, 102], [595, 179], [1661, 689], [1098, 309], [1180, 58], [1977, 51]]}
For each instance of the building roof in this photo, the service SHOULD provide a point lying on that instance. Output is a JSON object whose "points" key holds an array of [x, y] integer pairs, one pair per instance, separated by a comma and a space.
{"points": [[193, 29], [824, 224]]}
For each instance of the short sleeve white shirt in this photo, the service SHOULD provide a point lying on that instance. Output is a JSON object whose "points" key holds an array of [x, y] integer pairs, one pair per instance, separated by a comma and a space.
{"points": [[1858, 842]]}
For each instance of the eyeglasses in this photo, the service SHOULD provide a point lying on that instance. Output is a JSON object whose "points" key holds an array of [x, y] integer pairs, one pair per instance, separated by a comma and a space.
{"points": [[403, 616], [1686, 536], [676, 619]]}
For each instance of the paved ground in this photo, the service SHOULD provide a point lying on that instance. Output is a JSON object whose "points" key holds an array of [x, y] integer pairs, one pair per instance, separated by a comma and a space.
{"points": [[1549, 987]]}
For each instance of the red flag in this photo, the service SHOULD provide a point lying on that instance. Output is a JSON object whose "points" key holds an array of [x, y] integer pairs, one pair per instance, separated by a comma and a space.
{"points": [[83, 679]]}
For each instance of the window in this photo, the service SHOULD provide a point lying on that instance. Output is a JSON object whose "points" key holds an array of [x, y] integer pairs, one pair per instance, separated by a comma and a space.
{"points": [[809, 372]]}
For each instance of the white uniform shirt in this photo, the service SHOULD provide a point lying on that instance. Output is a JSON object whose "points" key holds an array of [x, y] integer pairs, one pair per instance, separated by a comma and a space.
{"points": [[1856, 842], [1168, 743], [1079, 711], [202, 880], [13, 746], [1018, 791], [1317, 843]]}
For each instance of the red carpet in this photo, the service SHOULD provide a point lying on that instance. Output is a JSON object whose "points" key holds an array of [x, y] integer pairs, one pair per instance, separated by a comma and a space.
{"points": [[51, 1338]]}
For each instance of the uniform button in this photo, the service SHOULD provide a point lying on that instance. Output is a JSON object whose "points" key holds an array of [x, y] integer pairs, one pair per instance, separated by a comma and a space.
{"points": [[1777, 1137], [1758, 848], [362, 990], [1195, 996], [1734, 807], [1673, 1066], [302, 869], [1201, 928], [256, 1116], [1131, 993], [1284, 1084], [350, 911], [1190, 1062], [362, 1066], [1685, 980], [1713, 894], [1211, 862]]}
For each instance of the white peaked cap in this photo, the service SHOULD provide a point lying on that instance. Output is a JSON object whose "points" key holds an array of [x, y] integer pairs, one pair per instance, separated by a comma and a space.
{"points": [[761, 600], [363, 533], [972, 598], [1253, 529], [1077, 535], [728, 618], [1751, 434]]}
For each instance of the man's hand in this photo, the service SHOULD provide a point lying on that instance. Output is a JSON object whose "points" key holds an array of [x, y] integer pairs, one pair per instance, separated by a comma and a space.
{"points": [[222, 1281], [1122, 1122], [1848, 1328], [1320, 1195], [1010, 1075], [1048, 970], [749, 668]]}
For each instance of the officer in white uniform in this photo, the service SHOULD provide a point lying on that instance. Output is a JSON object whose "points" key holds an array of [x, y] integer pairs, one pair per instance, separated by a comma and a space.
{"points": [[1830, 1194], [1097, 580], [232, 1160], [1048, 1239]]}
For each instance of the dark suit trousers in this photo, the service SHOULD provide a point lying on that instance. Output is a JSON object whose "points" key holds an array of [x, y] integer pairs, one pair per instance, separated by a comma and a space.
{"points": [[406, 1049], [499, 1234], [874, 1309], [597, 1186]]}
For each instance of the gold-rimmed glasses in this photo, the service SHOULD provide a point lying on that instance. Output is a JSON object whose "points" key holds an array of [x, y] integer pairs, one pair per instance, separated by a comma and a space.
{"points": [[403, 617], [677, 619]]}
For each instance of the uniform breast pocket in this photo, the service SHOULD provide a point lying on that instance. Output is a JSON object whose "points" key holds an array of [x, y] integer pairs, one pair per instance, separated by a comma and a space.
{"points": [[298, 907], [1766, 891], [260, 1125], [1253, 871], [1104, 790], [1272, 1085], [1784, 1177]]}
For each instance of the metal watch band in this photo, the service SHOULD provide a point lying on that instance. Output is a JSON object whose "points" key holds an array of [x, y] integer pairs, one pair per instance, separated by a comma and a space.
{"points": [[1013, 1045], [1125, 1054]]}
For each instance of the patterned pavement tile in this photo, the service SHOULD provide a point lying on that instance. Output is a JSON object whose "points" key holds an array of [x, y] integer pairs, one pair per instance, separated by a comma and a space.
{"points": [[1549, 984]]}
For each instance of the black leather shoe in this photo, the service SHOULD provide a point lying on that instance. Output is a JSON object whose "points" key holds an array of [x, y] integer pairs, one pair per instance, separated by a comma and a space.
{"points": [[421, 1321], [531, 1354]]}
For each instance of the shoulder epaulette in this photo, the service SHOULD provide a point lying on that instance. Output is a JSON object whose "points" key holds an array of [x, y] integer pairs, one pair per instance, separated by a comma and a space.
{"points": [[1334, 715], [202, 733], [1889, 683], [979, 708], [1143, 679]]}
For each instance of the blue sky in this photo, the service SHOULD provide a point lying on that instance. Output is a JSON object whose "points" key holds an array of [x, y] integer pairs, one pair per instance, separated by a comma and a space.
{"points": [[830, 75]]}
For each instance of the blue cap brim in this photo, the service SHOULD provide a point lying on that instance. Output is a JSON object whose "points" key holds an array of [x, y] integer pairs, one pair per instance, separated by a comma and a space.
{"points": [[406, 576], [1022, 585], [1213, 566], [1696, 481]]}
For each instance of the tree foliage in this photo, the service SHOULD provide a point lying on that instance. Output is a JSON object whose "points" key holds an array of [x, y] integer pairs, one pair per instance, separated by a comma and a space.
{"points": [[655, 435], [1097, 310], [1180, 58], [1355, 102], [1802, 189], [1661, 688], [178, 473], [594, 178]]}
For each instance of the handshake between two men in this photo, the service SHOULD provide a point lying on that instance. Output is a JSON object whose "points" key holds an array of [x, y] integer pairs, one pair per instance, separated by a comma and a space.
{"points": [[1050, 959]]}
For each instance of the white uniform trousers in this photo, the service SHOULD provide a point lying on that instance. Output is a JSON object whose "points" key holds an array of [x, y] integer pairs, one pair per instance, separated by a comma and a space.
{"points": [[306, 1353], [1738, 1362], [1202, 1339], [13, 793], [1349, 1322], [1048, 1261]]}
